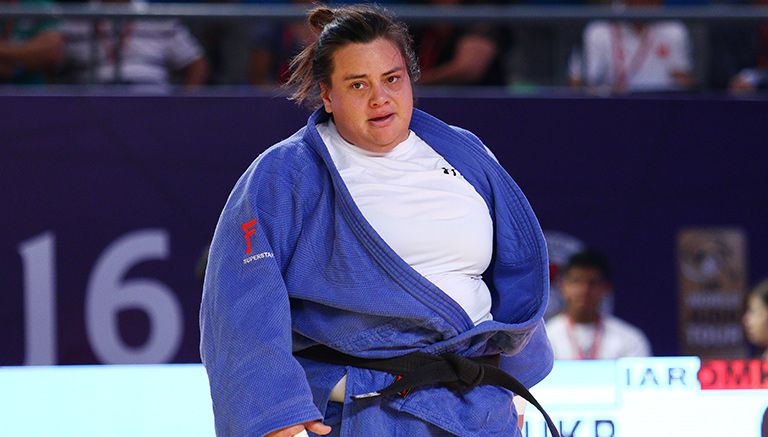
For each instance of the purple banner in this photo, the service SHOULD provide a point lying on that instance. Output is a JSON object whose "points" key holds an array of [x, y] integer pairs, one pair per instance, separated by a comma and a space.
{"points": [[110, 202]]}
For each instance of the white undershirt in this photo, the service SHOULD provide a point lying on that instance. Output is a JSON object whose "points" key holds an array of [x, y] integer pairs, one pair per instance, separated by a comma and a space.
{"points": [[425, 211]]}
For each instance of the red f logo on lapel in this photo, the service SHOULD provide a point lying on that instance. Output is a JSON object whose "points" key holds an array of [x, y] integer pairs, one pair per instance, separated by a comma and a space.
{"points": [[249, 229]]}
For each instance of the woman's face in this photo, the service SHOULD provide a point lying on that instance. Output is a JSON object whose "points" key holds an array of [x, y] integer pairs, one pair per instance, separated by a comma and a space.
{"points": [[756, 321], [370, 95]]}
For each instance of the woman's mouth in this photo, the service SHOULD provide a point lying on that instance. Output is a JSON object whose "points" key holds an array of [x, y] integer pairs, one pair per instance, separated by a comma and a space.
{"points": [[382, 121]]}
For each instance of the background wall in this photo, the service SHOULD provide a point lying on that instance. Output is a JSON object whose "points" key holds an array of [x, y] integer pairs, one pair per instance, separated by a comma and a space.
{"points": [[109, 202]]}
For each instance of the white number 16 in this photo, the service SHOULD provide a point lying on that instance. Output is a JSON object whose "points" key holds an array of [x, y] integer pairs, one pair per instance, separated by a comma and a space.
{"points": [[107, 294]]}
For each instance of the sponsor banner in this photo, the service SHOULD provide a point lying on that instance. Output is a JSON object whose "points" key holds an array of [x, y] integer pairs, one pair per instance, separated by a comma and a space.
{"points": [[712, 279], [624, 398], [652, 396], [733, 374]]}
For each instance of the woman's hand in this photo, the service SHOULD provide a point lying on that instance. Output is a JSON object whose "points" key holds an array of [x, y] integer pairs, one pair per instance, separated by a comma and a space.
{"points": [[316, 427]]}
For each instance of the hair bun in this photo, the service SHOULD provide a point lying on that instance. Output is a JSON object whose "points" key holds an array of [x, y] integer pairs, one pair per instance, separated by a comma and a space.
{"points": [[319, 17]]}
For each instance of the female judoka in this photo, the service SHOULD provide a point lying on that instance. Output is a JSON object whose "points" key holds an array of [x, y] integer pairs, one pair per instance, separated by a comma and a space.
{"points": [[378, 272]]}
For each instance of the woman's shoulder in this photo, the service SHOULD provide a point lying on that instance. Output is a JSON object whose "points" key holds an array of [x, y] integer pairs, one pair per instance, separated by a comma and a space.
{"points": [[288, 168], [424, 121], [431, 129], [466, 133], [290, 158]]}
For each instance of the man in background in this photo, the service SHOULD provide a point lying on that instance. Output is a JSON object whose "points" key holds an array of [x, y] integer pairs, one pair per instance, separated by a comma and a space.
{"points": [[132, 52], [581, 331]]}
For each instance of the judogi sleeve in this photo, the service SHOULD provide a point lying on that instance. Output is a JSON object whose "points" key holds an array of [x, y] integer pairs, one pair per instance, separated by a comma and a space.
{"points": [[536, 351], [245, 322]]}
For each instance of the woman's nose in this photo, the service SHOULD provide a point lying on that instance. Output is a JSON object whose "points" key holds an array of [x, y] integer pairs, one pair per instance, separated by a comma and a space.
{"points": [[379, 95]]}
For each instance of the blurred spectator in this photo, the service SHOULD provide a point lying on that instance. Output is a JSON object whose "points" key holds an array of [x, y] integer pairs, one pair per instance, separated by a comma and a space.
{"points": [[756, 318], [29, 49], [147, 52], [273, 47], [539, 50], [732, 48], [738, 54], [630, 57], [754, 74], [755, 322], [225, 44], [460, 55], [750, 79], [581, 332]]}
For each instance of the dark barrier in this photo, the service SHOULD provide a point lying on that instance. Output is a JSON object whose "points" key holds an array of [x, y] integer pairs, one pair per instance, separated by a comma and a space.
{"points": [[109, 203]]}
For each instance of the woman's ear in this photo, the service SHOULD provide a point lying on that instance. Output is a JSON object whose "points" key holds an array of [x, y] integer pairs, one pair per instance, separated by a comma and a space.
{"points": [[325, 94]]}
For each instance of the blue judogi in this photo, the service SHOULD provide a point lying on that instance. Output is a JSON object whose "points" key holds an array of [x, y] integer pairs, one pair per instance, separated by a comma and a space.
{"points": [[294, 263]]}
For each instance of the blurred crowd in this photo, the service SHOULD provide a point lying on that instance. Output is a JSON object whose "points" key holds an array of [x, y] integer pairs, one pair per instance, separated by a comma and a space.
{"points": [[601, 57]]}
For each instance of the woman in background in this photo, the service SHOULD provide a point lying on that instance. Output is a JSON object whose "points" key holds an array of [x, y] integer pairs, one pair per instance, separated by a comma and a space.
{"points": [[756, 318]]}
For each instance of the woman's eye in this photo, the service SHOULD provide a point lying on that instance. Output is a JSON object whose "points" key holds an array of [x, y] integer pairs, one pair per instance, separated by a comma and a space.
{"points": [[393, 79], [358, 85]]}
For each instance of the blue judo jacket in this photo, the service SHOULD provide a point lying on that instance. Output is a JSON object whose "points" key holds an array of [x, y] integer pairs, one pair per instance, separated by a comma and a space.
{"points": [[294, 263]]}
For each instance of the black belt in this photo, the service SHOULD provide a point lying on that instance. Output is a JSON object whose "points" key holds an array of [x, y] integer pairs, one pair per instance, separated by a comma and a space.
{"points": [[418, 369]]}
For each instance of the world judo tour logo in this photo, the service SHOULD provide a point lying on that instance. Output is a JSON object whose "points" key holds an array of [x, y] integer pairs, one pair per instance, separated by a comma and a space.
{"points": [[249, 228]]}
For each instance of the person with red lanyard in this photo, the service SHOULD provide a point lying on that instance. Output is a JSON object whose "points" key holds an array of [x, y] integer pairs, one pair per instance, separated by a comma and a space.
{"points": [[634, 57], [581, 331], [132, 52]]}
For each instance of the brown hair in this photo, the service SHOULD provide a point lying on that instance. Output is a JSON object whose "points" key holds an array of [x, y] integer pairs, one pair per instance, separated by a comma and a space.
{"points": [[336, 28]]}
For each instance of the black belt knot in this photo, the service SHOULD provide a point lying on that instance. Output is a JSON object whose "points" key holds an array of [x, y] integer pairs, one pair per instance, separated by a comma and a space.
{"points": [[419, 369], [453, 371], [468, 372]]}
